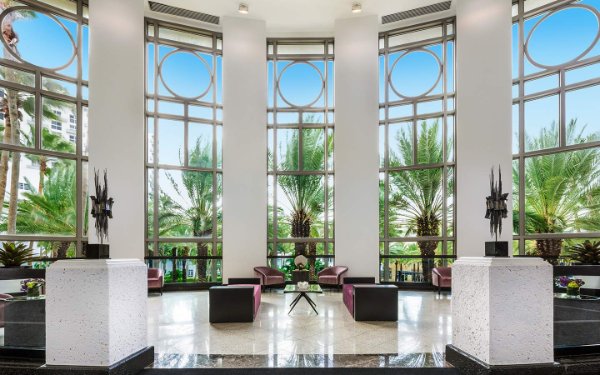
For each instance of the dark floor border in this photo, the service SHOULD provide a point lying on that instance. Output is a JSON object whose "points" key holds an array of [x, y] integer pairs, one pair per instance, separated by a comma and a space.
{"points": [[469, 365], [130, 365], [304, 371]]}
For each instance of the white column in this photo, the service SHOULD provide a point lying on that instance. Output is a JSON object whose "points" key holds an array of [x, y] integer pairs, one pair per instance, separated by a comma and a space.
{"points": [[95, 311], [116, 118], [244, 146], [356, 145], [502, 310], [483, 86]]}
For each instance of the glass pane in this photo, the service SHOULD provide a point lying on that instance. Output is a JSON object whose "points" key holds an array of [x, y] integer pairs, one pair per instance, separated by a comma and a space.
{"points": [[561, 193], [301, 83], [583, 115], [515, 128], [200, 146], [187, 74], [582, 74], [185, 37], [288, 150], [415, 73], [415, 201], [400, 140], [541, 123], [313, 149], [150, 202], [541, 84], [400, 111], [415, 36], [301, 199], [450, 185], [59, 87], [186, 201], [515, 196], [429, 141], [59, 123], [39, 189], [84, 130], [429, 107], [170, 142], [17, 122], [17, 76], [300, 49]]}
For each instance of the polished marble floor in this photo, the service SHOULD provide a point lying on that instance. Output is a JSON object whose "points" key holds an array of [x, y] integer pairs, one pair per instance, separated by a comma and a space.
{"points": [[178, 325]]}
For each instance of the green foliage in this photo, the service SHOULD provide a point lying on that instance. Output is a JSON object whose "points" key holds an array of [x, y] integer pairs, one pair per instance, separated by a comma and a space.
{"points": [[585, 253], [562, 190], [15, 254]]}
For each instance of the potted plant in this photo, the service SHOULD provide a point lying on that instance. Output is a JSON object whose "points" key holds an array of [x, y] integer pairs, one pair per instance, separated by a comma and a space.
{"points": [[32, 287], [573, 285], [585, 253], [15, 254]]}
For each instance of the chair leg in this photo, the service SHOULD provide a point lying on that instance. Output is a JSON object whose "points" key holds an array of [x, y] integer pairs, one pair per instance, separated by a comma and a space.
{"points": [[439, 290]]}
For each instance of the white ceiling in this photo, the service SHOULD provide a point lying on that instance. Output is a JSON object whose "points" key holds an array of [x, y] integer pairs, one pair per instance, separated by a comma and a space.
{"points": [[302, 17]]}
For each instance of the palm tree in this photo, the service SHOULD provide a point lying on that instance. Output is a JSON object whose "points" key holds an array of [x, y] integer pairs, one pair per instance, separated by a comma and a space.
{"points": [[417, 195], [197, 187], [53, 210], [305, 193], [562, 190]]}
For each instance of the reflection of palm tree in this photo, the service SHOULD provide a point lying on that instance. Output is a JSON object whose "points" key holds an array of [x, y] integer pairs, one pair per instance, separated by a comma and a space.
{"points": [[197, 187], [417, 195], [305, 193], [562, 190]]}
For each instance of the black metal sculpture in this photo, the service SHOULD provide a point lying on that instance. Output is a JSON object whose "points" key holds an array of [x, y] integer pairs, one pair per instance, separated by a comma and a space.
{"points": [[496, 210], [101, 212]]}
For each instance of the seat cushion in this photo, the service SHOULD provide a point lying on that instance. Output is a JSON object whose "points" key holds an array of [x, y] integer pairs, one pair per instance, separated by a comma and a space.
{"points": [[271, 280], [328, 279], [348, 297]]}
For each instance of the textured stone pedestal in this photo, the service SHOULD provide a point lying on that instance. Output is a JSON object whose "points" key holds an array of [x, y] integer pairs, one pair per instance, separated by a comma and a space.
{"points": [[95, 311], [502, 310]]}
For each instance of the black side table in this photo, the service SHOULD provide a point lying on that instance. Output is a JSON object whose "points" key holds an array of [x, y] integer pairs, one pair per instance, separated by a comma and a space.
{"points": [[299, 275]]}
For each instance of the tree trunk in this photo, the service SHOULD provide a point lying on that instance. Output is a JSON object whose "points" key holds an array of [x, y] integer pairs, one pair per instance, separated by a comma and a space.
{"points": [[312, 252], [549, 249], [43, 169], [13, 113], [427, 225], [61, 252], [300, 229], [202, 250]]}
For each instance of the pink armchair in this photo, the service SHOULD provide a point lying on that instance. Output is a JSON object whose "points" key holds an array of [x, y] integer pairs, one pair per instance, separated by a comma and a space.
{"points": [[332, 275], [2, 303], [441, 277], [269, 276], [155, 279]]}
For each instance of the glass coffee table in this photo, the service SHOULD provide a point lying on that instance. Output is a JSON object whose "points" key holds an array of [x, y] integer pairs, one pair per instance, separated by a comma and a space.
{"points": [[303, 293]]}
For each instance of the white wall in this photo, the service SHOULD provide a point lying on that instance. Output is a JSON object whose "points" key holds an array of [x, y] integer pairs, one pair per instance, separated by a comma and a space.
{"points": [[356, 146], [244, 146], [116, 117], [483, 70]]}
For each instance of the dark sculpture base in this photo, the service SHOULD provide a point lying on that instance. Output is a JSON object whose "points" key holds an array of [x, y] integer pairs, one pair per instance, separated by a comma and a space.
{"points": [[96, 251], [496, 249]]}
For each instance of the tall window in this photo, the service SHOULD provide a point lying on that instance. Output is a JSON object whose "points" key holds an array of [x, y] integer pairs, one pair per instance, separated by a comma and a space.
{"points": [[183, 160], [43, 165], [300, 161], [416, 143], [556, 125]]}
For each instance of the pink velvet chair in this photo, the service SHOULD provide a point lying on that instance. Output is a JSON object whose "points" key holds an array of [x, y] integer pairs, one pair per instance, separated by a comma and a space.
{"points": [[441, 277], [155, 279], [332, 275], [2, 304], [269, 276]]}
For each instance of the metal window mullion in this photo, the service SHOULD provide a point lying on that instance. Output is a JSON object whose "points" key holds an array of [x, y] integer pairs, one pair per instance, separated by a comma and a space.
{"points": [[39, 112], [562, 110], [155, 170], [325, 150], [444, 140], [274, 182], [521, 124], [215, 175]]}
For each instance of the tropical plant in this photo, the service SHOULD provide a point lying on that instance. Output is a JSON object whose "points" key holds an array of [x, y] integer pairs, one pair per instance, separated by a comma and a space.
{"points": [[15, 254], [416, 195], [562, 190], [52, 211], [305, 193], [585, 253]]}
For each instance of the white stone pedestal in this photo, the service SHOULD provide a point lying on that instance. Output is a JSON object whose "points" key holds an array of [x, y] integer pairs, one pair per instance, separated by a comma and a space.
{"points": [[95, 311], [502, 310]]}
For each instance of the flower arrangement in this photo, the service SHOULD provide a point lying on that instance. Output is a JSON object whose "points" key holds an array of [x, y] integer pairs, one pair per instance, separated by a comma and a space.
{"points": [[32, 286], [572, 284]]}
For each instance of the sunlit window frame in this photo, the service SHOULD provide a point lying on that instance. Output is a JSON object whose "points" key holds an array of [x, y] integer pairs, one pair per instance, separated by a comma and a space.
{"points": [[384, 52], [151, 37], [519, 17], [273, 56], [80, 238]]}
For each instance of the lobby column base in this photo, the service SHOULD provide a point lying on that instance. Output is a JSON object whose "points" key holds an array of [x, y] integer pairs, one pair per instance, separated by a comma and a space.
{"points": [[502, 314], [96, 314]]}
